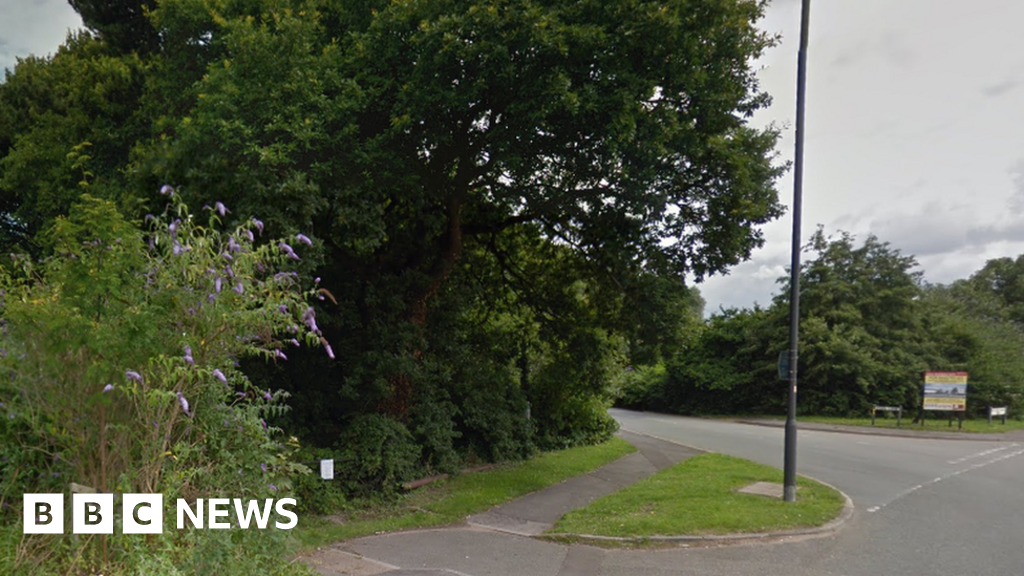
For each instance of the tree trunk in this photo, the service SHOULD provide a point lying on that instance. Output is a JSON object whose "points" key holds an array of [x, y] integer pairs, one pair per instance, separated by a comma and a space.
{"points": [[396, 405]]}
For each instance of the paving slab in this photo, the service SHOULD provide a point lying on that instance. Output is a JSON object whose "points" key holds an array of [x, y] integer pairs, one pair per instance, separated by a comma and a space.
{"points": [[769, 489]]}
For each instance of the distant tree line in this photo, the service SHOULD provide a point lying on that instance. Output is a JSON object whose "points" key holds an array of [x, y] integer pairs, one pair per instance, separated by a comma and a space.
{"points": [[869, 327]]}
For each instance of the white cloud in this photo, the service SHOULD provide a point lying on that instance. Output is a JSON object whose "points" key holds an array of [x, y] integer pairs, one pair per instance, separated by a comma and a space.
{"points": [[912, 124], [36, 27]]}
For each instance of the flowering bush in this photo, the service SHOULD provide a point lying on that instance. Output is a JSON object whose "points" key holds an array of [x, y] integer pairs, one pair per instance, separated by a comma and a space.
{"points": [[120, 355]]}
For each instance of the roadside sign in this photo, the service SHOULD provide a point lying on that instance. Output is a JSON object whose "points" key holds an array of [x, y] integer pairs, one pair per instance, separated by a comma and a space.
{"points": [[783, 365], [946, 391]]}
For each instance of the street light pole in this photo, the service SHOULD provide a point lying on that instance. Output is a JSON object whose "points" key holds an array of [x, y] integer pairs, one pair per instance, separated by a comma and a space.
{"points": [[789, 466]]}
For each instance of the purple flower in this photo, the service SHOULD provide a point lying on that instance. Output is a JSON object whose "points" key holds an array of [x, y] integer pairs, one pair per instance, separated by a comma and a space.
{"points": [[289, 251], [240, 394], [233, 245], [227, 257], [173, 226], [304, 239], [330, 351], [267, 396], [167, 190], [258, 224], [264, 423], [316, 280], [220, 375], [188, 356], [108, 388], [295, 342], [184, 404], [279, 354], [263, 466], [217, 285], [309, 318], [229, 271], [283, 309], [248, 234], [177, 249], [238, 287], [133, 375], [221, 208], [211, 297], [272, 487]]}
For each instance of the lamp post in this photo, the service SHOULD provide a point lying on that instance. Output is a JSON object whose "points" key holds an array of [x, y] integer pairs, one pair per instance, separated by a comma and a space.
{"points": [[789, 466]]}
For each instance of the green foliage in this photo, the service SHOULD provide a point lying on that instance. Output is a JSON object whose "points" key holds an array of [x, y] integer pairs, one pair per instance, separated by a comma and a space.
{"points": [[121, 24], [639, 387], [122, 377], [504, 197], [868, 330], [379, 454], [67, 125]]}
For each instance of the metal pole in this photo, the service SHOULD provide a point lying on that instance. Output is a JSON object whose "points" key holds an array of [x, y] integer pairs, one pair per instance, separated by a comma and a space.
{"points": [[789, 467]]}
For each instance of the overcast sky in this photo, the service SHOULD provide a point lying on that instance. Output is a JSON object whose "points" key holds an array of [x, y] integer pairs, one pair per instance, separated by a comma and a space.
{"points": [[915, 127]]}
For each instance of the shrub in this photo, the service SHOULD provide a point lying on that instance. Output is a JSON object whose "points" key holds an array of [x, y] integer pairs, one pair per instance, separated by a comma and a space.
{"points": [[121, 353]]}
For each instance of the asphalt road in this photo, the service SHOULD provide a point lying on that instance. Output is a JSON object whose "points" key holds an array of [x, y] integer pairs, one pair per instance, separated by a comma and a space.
{"points": [[924, 507]]}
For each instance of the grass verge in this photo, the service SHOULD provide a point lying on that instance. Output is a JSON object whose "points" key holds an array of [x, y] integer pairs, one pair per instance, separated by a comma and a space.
{"points": [[699, 497], [451, 501], [974, 426]]}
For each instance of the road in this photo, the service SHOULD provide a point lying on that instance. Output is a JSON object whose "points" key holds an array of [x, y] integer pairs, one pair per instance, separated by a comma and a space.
{"points": [[923, 507]]}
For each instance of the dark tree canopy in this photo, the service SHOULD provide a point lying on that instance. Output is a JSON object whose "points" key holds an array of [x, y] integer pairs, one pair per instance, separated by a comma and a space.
{"points": [[122, 24], [505, 197]]}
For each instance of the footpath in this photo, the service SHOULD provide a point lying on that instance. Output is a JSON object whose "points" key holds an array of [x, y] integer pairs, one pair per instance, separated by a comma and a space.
{"points": [[501, 541]]}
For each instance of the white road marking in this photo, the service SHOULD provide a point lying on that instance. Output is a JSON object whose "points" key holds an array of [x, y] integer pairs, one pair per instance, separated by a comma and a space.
{"points": [[981, 454], [910, 491]]}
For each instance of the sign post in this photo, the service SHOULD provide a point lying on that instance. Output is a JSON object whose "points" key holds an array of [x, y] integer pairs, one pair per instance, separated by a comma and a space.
{"points": [[945, 392], [997, 411]]}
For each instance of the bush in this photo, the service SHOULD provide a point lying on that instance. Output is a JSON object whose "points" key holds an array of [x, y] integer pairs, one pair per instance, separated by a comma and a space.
{"points": [[639, 387], [380, 454], [121, 351]]}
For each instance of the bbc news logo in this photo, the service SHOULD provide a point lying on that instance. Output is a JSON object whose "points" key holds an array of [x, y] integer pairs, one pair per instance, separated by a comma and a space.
{"points": [[144, 513]]}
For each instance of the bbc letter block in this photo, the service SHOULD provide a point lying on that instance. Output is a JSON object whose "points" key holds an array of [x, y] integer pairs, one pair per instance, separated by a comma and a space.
{"points": [[44, 514]]}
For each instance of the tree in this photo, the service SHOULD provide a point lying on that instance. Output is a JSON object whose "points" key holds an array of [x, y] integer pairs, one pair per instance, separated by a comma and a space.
{"points": [[863, 339], [405, 133], [570, 160], [67, 124], [122, 24]]}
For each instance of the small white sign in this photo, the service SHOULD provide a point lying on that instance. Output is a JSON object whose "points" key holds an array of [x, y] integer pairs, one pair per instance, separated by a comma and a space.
{"points": [[998, 411], [327, 469]]}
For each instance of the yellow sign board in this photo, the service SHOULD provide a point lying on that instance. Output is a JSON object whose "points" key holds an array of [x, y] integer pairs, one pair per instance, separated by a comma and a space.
{"points": [[945, 391]]}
